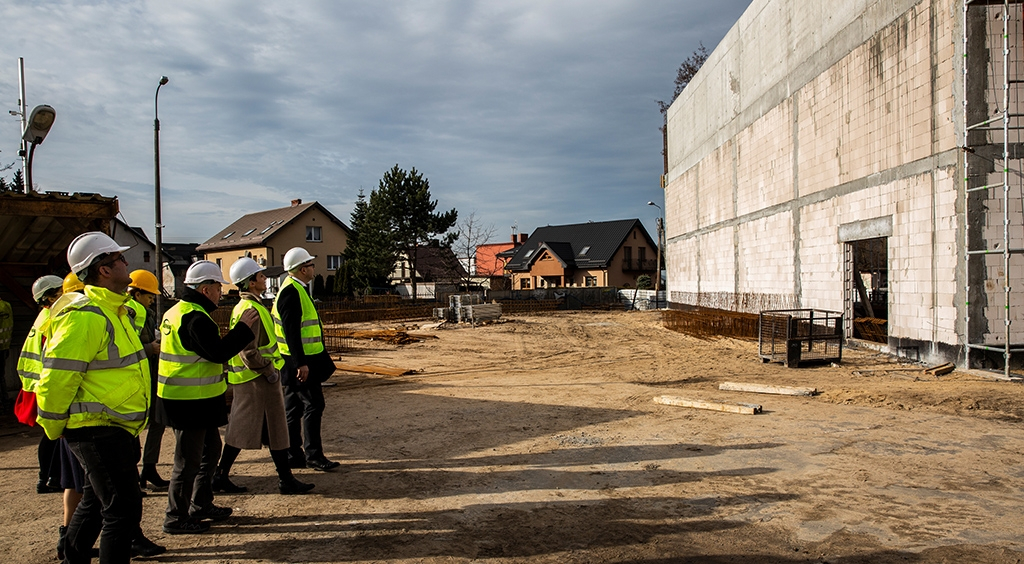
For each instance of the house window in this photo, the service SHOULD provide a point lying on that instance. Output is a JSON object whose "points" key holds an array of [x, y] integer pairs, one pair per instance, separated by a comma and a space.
{"points": [[524, 283], [313, 234], [585, 250], [641, 258], [145, 256], [230, 233], [591, 281], [333, 262], [219, 264], [249, 232]]}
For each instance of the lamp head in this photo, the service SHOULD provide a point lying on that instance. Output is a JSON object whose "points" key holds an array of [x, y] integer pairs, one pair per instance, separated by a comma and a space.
{"points": [[39, 123], [163, 80]]}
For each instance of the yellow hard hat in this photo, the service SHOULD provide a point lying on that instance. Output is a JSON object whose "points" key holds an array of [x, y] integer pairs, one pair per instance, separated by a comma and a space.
{"points": [[144, 280], [72, 283]]}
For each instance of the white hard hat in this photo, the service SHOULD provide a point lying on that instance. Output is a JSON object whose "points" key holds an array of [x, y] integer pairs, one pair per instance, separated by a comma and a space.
{"points": [[295, 257], [243, 269], [44, 284], [204, 271], [87, 246]]}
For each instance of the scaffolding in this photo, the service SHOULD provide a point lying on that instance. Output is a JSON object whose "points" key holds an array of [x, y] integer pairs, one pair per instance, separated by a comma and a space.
{"points": [[993, 205]]}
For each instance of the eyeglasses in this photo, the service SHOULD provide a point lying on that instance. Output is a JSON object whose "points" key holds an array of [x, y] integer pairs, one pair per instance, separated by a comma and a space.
{"points": [[110, 262]]}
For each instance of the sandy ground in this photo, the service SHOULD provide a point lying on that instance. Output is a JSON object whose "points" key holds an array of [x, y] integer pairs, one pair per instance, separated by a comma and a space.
{"points": [[536, 440]]}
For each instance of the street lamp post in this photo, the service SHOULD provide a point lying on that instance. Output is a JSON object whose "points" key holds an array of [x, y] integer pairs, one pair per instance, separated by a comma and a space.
{"points": [[156, 191], [37, 126], [660, 223]]}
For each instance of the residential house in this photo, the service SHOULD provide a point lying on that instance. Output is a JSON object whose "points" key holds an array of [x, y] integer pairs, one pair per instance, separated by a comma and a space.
{"points": [[490, 260], [267, 235], [438, 272], [603, 253], [141, 253], [177, 257]]}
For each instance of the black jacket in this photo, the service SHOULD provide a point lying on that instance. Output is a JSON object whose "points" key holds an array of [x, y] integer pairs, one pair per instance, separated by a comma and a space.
{"points": [[199, 333], [289, 307]]}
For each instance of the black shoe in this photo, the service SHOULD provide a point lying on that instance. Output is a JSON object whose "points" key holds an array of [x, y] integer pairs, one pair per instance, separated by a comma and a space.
{"points": [[43, 487], [62, 532], [149, 474], [322, 464], [55, 484], [222, 483], [185, 527], [293, 487], [144, 547], [294, 463], [211, 513]]}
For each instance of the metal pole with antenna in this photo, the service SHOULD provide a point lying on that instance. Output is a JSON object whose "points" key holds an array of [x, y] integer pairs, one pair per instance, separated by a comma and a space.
{"points": [[23, 107]]}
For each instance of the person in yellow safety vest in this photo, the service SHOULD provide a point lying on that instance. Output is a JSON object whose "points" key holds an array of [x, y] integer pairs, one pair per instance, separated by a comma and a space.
{"points": [[94, 390], [45, 291], [306, 363], [6, 333], [143, 290], [254, 374], [192, 386]]}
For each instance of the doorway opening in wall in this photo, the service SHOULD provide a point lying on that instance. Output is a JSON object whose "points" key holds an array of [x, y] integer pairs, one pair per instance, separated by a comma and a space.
{"points": [[867, 283]]}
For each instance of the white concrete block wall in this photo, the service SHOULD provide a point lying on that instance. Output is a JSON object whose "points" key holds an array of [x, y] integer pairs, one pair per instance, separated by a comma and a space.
{"points": [[809, 116]]}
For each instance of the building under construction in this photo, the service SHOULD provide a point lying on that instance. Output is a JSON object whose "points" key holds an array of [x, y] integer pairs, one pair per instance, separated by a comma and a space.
{"points": [[864, 158]]}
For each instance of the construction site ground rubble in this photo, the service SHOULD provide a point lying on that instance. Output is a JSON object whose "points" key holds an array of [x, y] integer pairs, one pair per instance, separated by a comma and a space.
{"points": [[537, 439]]}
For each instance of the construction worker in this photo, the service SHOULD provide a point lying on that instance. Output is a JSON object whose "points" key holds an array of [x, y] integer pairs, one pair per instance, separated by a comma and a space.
{"points": [[192, 385], [307, 363], [45, 291], [6, 333], [94, 390], [144, 290], [258, 403]]}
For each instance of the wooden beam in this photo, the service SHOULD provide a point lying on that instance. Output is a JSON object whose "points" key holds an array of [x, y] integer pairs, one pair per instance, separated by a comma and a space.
{"points": [[742, 408], [382, 370], [763, 389]]}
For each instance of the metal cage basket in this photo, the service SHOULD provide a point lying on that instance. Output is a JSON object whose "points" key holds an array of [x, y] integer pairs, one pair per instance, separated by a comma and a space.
{"points": [[800, 336]]}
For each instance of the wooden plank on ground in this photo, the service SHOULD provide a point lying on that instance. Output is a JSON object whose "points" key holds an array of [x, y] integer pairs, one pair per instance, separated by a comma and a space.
{"points": [[745, 409], [763, 389], [941, 369], [364, 369]]}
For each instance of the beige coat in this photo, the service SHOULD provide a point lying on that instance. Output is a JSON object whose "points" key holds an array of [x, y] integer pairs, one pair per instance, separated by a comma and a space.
{"points": [[259, 399]]}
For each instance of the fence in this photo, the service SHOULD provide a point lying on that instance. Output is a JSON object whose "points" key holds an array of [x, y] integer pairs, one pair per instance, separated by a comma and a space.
{"points": [[709, 322]]}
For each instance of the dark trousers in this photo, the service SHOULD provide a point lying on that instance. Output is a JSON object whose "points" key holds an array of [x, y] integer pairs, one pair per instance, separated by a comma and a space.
{"points": [[49, 460], [111, 506], [154, 436], [195, 461], [304, 411]]}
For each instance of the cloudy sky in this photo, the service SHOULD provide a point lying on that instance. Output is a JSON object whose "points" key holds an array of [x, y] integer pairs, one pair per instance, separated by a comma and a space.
{"points": [[526, 113]]}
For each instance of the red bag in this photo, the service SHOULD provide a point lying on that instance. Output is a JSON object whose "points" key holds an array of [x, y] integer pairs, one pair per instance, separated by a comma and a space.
{"points": [[25, 408]]}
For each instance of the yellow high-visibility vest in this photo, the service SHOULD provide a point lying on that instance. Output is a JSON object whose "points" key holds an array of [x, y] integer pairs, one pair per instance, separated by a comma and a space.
{"points": [[95, 372], [30, 363], [310, 332], [182, 373], [237, 372]]}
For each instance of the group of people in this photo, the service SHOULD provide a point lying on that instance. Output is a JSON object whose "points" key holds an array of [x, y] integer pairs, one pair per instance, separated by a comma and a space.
{"points": [[97, 368]]}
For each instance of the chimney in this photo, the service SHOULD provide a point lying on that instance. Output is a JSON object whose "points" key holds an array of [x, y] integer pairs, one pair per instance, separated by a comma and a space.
{"points": [[513, 238], [296, 202], [522, 238]]}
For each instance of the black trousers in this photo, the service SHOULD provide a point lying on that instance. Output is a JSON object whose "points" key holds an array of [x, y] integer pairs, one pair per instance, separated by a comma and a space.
{"points": [[195, 462], [111, 506], [304, 410]]}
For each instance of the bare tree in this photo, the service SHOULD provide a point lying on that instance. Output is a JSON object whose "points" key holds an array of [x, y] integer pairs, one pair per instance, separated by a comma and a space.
{"points": [[471, 233], [687, 70]]}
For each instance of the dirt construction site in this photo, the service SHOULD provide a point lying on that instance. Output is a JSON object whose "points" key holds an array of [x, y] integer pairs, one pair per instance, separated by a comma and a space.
{"points": [[537, 439]]}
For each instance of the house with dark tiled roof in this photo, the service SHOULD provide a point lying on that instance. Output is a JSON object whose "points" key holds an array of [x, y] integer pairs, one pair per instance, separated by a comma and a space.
{"points": [[267, 235], [601, 253], [438, 271]]}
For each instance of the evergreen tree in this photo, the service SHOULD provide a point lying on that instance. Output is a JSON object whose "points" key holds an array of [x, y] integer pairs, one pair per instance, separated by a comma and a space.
{"points": [[370, 255], [413, 222], [17, 183]]}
